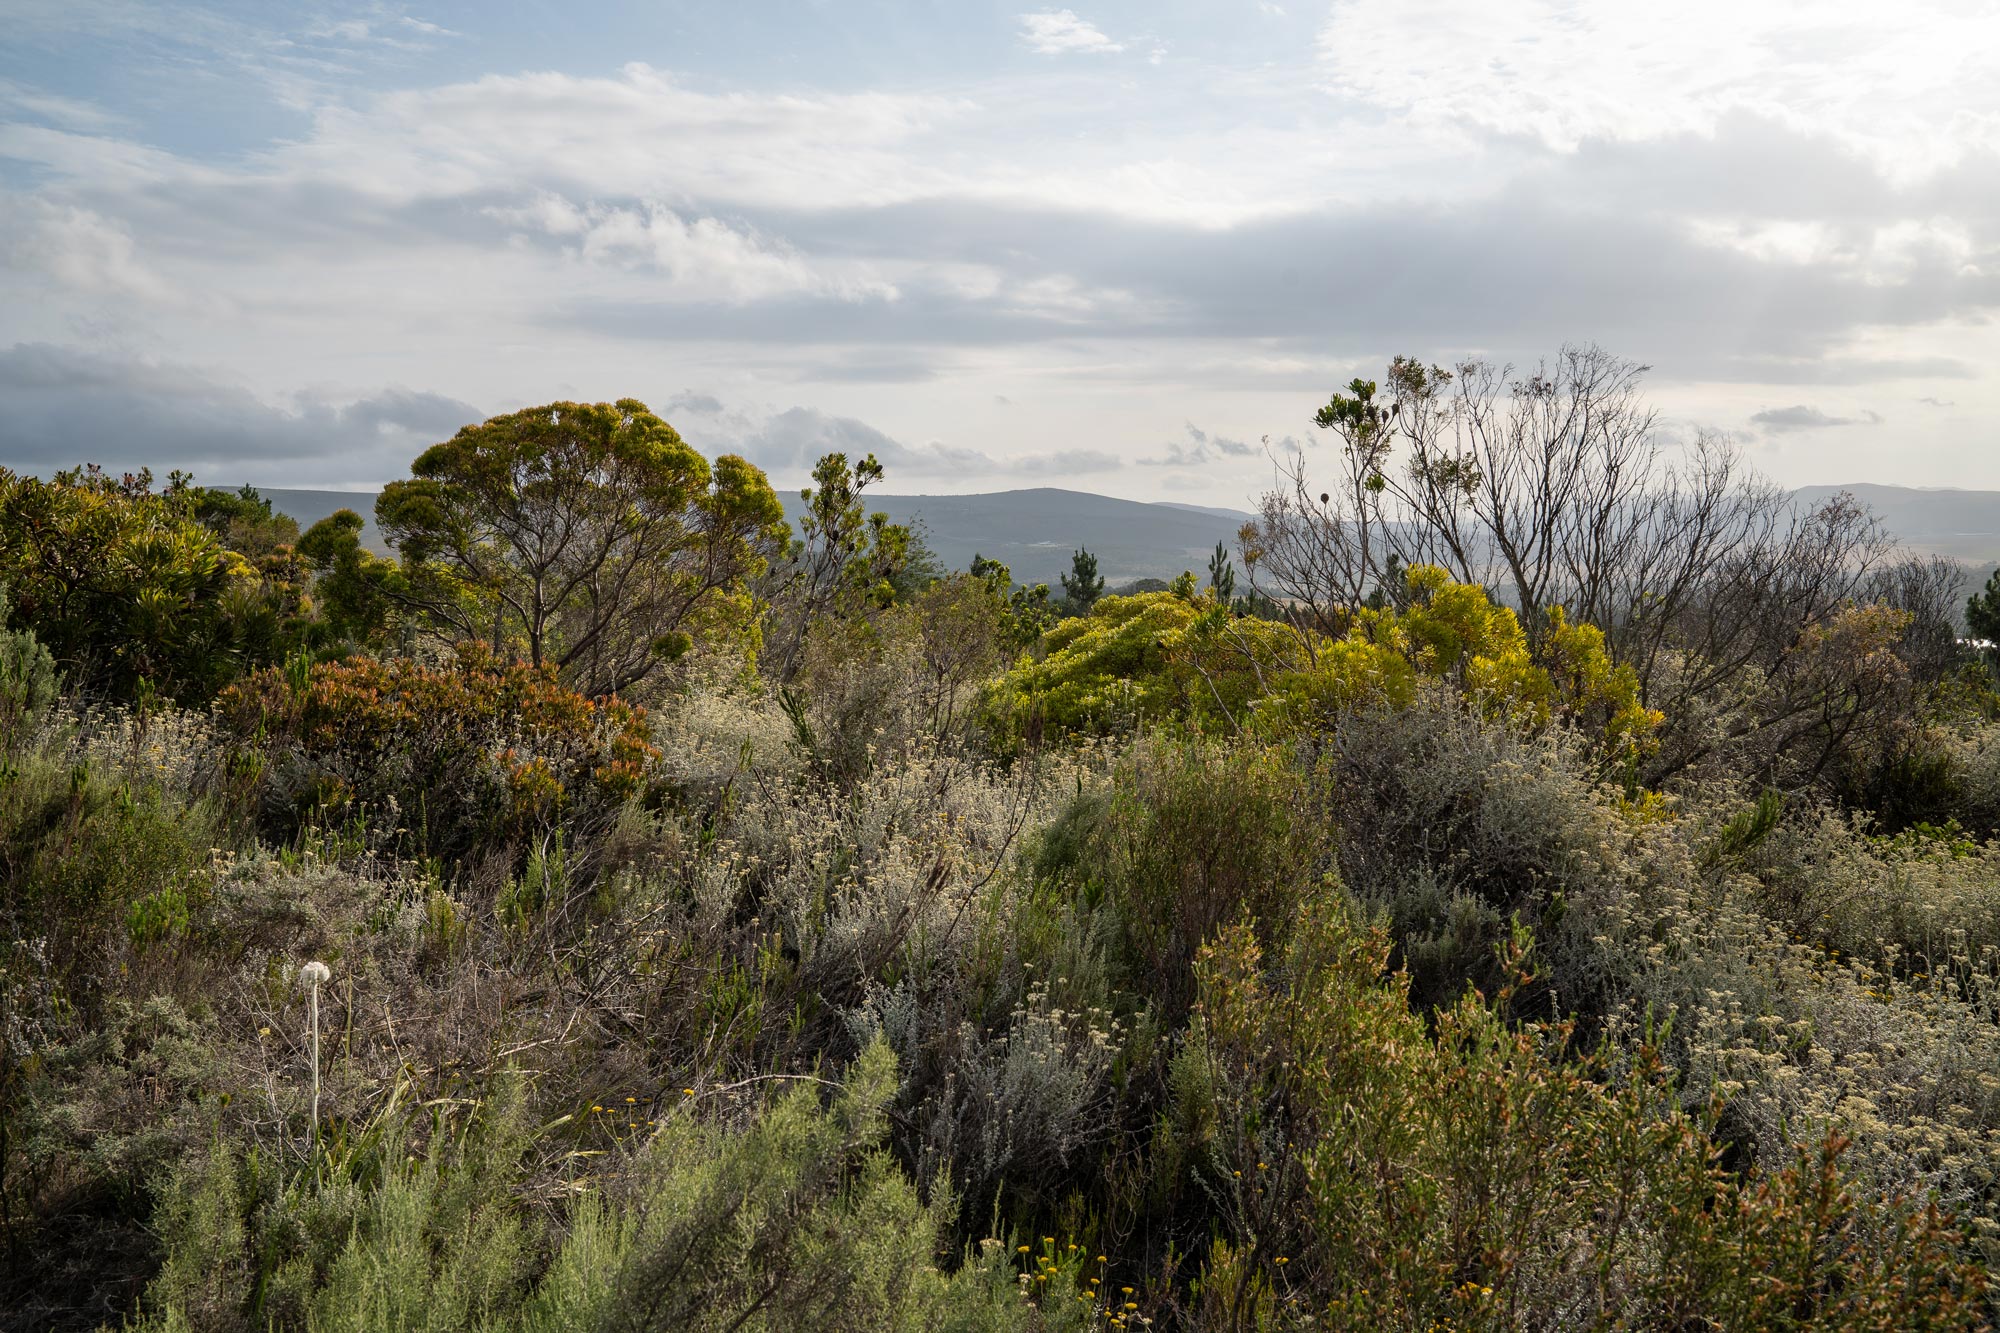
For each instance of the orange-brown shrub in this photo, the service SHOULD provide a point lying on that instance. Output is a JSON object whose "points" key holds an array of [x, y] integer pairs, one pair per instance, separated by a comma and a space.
{"points": [[475, 753]]}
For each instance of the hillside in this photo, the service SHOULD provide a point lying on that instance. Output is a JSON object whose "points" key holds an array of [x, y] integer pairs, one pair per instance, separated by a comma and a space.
{"points": [[1032, 531], [1964, 525]]}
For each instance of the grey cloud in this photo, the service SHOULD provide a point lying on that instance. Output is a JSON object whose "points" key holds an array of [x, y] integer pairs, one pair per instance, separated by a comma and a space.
{"points": [[1201, 449], [788, 443], [1937, 402], [701, 404], [67, 407], [1513, 277], [1063, 462], [1802, 417], [793, 440], [1594, 245]]}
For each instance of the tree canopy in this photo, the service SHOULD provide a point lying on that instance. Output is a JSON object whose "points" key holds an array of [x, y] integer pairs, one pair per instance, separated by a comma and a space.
{"points": [[586, 536]]}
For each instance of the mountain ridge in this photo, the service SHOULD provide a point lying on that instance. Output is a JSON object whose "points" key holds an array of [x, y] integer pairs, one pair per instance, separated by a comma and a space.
{"points": [[1034, 530]]}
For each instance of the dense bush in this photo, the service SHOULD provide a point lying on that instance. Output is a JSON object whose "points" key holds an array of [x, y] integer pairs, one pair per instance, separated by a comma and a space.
{"points": [[447, 759], [132, 592], [1174, 656]]}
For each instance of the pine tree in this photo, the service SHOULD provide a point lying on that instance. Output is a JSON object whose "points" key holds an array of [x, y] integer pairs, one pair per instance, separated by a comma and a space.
{"points": [[1083, 585]]}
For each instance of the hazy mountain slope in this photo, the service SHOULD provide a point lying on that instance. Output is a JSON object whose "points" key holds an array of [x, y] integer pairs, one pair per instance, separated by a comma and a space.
{"points": [[1962, 524], [1034, 531], [309, 507]]}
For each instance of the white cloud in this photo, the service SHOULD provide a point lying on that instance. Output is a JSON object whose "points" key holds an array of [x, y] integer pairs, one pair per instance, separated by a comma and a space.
{"points": [[1565, 71], [77, 249], [704, 259], [1058, 32]]}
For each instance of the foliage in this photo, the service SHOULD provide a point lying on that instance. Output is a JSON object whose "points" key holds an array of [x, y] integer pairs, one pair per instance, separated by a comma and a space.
{"points": [[1982, 615], [27, 679], [1083, 585], [1147, 657], [360, 595], [1393, 1174], [131, 592], [472, 754], [845, 563], [588, 537], [1029, 612], [1174, 655], [1221, 575], [243, 521]]}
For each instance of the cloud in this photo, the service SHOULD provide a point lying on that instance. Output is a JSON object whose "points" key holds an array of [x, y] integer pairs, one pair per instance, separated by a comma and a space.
{"points": [[79, 249], [1563, 72], [68, 407], [1201, 449], [703, 258], [1778, 420], [789, 442], [701, 404], [1937, 402], [1056, 32]]}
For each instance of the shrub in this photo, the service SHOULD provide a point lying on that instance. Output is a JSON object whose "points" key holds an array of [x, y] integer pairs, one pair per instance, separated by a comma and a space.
{"points": [[1198, 834], [795, 1220], [126, 585], [1147, 657], [1163, 656], [467, 755], [27, 680], [1478, 1176], [83, 844]]}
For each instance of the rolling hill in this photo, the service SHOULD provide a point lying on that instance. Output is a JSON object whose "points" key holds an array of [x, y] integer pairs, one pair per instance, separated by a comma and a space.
{"points": [[1034, 531]]}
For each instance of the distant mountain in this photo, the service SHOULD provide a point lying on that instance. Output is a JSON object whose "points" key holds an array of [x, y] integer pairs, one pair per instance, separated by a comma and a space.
{"points": [[309, 507], [1964, 525], [1236, 516], [1034, 531]]}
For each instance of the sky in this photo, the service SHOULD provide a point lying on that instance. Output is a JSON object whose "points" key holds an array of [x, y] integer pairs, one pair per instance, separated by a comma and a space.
{"points": [[1123, 247]]}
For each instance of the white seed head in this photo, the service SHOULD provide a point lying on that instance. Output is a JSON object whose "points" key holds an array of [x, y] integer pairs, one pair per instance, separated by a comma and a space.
{"points": [[314, 973]]}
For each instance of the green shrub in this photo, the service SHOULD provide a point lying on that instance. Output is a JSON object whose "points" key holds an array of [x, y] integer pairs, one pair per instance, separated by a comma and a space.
{"points": [[1479, 1175], [130, 591], [1200, 833], [794, 1220], [27, 680], [82, 845]]}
